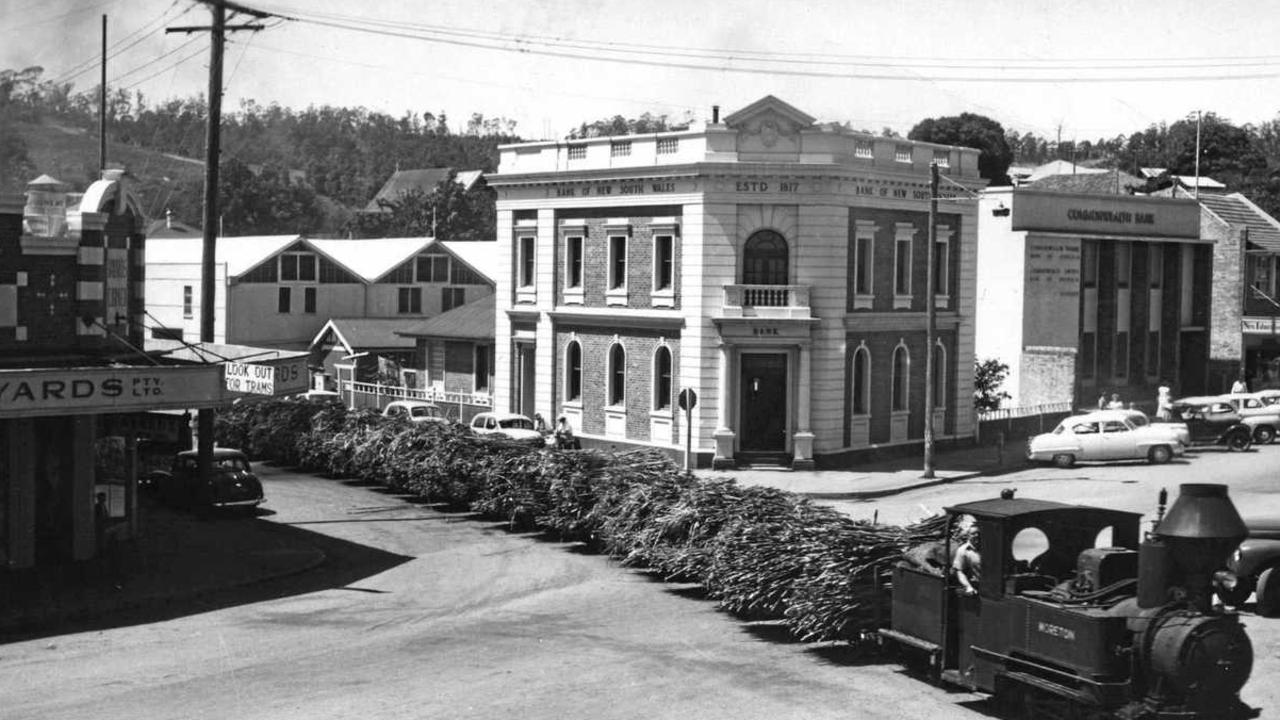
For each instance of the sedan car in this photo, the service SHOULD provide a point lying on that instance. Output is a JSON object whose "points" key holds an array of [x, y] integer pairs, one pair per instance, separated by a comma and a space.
{"points": [[510, 425], [1255, 567], [1213, 421], [1106, 435], [231, 482], [414, 411], [1258, 413]]}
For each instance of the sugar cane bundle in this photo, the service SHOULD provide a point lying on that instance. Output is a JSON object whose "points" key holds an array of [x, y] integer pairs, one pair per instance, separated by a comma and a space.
{"points": [[231, 426], [638, 486], [328, 444], [369, 455], [275, 436], [683, 533], [443, 471], [573, 482], [510, 483]]}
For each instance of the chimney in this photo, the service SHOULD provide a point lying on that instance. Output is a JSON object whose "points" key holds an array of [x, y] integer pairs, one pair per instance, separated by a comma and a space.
{"points": [[715, 114]]}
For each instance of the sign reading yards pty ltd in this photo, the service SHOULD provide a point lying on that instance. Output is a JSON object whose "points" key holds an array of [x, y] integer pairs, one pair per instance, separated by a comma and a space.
{"points": [[254, 379], [71, 391]]}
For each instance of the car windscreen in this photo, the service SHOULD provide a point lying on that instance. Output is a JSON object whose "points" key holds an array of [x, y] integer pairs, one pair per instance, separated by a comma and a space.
{"points": [[231, 464], [1139, 421], [425, 411], [516, 423]]}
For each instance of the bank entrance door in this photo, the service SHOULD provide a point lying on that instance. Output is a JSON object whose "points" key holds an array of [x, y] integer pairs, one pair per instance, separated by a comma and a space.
{"points": [[526, 378], [762, 418]]}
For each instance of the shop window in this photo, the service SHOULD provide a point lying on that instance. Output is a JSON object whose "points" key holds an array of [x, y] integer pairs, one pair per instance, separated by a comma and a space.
{"points": [[283, 300], [901, 378], [663, 262], [662, 378], [187, 301], [309, 300], [617, 375], [861, 381], [573, 372], [409, 301]]}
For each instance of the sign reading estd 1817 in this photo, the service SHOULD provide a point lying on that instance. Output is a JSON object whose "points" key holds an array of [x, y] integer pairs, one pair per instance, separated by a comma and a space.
{"points": [[246, 378]]}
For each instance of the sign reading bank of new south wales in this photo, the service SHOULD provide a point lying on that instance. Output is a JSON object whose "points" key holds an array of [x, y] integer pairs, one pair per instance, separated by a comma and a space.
{"points": [[254, 379], [72, 391]]}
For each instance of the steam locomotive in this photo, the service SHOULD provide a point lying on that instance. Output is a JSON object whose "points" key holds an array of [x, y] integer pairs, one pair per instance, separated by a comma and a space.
{"points": [[1101, 624]]}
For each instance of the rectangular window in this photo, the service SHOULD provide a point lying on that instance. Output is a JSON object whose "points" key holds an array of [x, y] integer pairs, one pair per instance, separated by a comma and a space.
{"points": [[902, 267], [283, 300], [451, 298], [187, 301], [941, 265], [1089, 264], [902, 153], [863, 148], [433, 268], [1155, 265], [409, 301], [1124, 264], [297, 267], [288, 266], [663, 262], [164, 333], [1088, 350], [668, 146], [617, 262], [620, 148], [527, 258], [578, 152], [309, 300], [863, 263], [481, 368], [942, 158], [1120, 366], [573, 261]]}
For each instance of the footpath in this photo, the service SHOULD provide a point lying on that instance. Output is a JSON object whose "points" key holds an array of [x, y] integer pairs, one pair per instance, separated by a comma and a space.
{"points": [[180, 557]]}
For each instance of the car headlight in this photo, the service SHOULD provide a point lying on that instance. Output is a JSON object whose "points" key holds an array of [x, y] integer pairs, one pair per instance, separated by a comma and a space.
{"points": [[1237, 556], [1225, 579]]}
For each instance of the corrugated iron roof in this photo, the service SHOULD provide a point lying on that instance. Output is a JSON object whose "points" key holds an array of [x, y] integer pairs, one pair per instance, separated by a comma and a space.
{"points": [[1061, 167], [1107, 182], [424, 180], [240, 254], [482, 256], [473, 321], [360, 334], [1235, 209], [372, 258]]}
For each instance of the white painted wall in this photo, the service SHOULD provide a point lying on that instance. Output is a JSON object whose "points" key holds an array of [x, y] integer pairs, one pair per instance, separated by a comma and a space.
{"points": [[1001, 272]]}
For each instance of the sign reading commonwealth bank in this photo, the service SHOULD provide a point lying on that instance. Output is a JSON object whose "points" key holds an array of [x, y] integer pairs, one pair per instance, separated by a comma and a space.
{"points": [[74, 391]]}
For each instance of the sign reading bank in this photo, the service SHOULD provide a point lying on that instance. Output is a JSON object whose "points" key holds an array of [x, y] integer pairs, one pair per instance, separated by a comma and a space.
{"points": [[1120, 215], [70, 391]]}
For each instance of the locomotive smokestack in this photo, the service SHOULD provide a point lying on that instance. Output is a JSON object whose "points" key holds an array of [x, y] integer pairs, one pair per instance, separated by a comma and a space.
{"points": [[1188, 545]]}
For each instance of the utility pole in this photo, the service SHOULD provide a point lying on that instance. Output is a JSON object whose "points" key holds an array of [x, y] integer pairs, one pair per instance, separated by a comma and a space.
{"points": [[1197, 190], [213, 139], [931, 321], [102, 103]]}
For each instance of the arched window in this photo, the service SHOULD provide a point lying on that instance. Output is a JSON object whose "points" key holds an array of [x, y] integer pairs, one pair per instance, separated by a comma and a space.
{"points": [[939, 376], [662, 378], [617, 375], [861, 381], [573, 372], [764, 259], [901, 377]]}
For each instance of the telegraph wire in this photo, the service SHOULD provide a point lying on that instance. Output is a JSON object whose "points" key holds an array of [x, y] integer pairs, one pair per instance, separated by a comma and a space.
{"points": [[115, 50]]}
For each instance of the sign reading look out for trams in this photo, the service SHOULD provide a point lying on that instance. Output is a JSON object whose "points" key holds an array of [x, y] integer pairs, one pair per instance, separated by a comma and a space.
{"points": [[254, 379]]}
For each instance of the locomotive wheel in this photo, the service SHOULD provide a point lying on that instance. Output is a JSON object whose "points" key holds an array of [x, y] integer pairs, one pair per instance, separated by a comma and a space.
{"points": [[1064, 460], [1263, 434], [1239, 440], [1159, 454], [1269, 593]]}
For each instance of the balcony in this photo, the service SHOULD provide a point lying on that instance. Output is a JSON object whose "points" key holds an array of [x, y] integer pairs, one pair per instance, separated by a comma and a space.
{"points": [[766, 301]]}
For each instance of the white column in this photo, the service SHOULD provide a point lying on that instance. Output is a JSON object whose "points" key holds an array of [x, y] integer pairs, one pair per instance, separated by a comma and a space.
{"points": [[723, 434], [802, 441]]}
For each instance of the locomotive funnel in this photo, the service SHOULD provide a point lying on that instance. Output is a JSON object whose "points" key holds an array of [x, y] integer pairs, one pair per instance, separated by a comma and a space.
{"points": [[1203, 512]]}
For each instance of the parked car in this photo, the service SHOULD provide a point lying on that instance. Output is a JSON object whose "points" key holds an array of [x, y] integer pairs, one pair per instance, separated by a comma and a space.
{"points": [[1212, 421], [1255, 566], [232, 482], [415, 411], [321, 396], [1256, 413], [510, 425], [1106, 435]]}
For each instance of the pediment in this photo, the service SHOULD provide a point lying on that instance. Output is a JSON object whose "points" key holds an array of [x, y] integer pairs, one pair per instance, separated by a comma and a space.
{"points": [[768, 108]]}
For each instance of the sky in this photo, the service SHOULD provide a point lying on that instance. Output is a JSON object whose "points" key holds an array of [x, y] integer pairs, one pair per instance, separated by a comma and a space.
{"points": [[1078, 69]]}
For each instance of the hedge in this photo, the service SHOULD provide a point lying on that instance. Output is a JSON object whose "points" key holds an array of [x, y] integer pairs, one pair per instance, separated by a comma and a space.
{"points": [[761, 553]]}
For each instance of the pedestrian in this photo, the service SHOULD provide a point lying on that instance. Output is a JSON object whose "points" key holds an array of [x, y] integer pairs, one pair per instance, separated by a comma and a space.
{"points": [[1240, 386], [1116, 403], [1164, 401], [1102, 401], [564, 435], [540, 424]]}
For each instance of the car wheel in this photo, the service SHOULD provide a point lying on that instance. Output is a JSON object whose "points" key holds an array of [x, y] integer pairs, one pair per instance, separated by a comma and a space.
{"points": [[1263, 434], [1269, 593], [1239, 440], [1238, 595], [1159, 454], [1064, 460]]}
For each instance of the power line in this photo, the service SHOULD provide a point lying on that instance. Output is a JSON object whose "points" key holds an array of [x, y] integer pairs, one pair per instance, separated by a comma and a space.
{"points": [[115, 50]]}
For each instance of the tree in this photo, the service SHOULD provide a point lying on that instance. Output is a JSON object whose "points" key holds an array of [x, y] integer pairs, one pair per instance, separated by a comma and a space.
{"points": [[618, 125], [988, 376], [448, 212], [975, 131]]}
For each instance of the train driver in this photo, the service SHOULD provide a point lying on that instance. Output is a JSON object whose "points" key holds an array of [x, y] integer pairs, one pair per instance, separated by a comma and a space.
{"points": [[967, 561]]}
